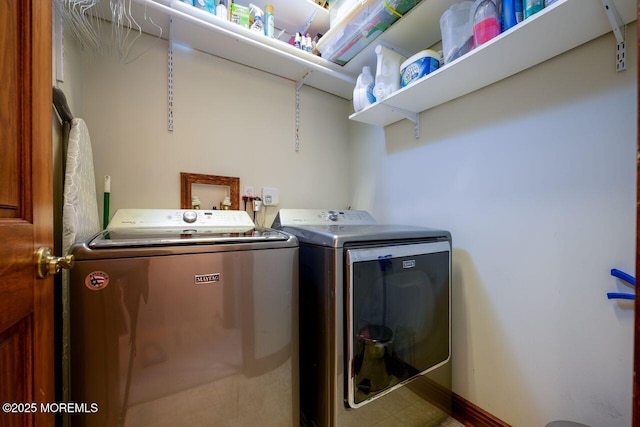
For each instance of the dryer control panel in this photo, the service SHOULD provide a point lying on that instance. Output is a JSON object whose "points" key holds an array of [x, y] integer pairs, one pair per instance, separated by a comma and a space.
{"points": [[302, 217]]}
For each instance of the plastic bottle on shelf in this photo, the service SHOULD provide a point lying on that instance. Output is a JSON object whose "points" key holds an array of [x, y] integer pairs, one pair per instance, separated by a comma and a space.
{"points": [[508, 14], [363, 92], [221, 10], [309, 44], [486, 24], [531, 7], [269, 21], [519, 11], [387, 72], [257, 25]]}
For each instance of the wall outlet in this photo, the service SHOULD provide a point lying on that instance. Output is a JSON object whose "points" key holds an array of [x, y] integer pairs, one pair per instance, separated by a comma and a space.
{"points": [[270, 196], [248, 191]]}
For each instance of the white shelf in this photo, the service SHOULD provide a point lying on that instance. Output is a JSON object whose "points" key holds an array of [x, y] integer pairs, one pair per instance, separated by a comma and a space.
{"points": [[561, 27], [205, 32]]}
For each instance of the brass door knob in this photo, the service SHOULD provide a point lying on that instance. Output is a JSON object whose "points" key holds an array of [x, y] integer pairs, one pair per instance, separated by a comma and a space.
{"points": [[47, 264]]}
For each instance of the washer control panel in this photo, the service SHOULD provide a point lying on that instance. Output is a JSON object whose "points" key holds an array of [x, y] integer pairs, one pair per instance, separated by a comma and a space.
{"points": [[209, 220], [302, 217]]}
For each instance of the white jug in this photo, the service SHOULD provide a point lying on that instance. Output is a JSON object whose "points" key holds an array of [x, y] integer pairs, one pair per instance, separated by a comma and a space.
{"points": [[387, 72]]}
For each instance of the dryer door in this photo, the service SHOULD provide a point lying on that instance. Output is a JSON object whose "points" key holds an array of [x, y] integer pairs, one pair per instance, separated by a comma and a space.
{"points": [[398, 316]]}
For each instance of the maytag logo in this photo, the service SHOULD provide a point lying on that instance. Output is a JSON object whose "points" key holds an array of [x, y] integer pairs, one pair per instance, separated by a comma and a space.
{"points": [[203, 279], [409, 263]]}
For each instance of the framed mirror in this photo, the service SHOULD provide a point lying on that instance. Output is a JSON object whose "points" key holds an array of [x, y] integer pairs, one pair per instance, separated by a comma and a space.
{"points": [[208, 187]]}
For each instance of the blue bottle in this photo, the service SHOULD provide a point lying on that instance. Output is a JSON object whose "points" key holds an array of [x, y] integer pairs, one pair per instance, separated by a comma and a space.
{"points": [[519, 11], [508, 18]]}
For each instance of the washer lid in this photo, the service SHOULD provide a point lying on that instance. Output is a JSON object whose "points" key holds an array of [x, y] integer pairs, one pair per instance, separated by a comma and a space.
{"points": [[340, 235]]}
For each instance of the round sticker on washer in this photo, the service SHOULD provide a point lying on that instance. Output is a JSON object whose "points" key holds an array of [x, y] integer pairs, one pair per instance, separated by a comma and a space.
{"points": [[96, 280]]}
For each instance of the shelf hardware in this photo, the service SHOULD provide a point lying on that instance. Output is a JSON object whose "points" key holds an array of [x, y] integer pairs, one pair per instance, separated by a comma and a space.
{"points": [[170, 78], [409, 115], [304, 78], [620, 31], [299, 84]]}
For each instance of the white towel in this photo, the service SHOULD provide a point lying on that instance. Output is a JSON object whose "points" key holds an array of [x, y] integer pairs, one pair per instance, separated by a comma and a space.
{"points": [[80, 217]]}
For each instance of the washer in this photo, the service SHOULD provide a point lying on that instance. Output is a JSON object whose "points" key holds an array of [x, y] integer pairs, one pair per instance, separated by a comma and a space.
{"points": [[375, 319], [185, 318]]}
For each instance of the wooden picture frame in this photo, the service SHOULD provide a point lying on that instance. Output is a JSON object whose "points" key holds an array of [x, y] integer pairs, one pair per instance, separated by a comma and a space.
{"points": [[187, 179]]}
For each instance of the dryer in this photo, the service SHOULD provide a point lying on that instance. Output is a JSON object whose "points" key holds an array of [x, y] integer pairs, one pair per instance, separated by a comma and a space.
{"points": [[182, 317], [375, 319]]}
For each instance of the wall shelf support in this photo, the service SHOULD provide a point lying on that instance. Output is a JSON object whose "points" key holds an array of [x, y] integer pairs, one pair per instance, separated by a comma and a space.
{"points": [[170, 78], [620, 31], [299, 85], [409, 115]]}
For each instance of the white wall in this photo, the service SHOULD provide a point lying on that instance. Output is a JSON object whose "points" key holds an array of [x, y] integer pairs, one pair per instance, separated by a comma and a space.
{"points": [[229, 120], [535, 178]]}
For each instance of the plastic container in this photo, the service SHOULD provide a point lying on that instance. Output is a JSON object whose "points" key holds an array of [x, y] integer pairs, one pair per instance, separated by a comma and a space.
{"points": [[531, 7], [356, 30], [339, 9], [486, 23], [363, 92], [418, 66], [456, 26], [387, 72]]}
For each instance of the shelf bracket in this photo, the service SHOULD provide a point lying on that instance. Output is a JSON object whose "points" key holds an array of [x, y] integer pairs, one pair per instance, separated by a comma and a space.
{"points": [[299, 84], [304, 78], [620, 31], [409, 115]]}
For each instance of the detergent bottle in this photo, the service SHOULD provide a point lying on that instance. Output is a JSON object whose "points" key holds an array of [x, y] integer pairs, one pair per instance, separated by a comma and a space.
{"points": [[387, 72], [486, 22], [363, 92], [258, 25]]}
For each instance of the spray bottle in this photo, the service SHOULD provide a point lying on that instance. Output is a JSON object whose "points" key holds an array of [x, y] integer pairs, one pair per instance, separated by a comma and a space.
{"points": [[257, 25], [221, 10], [269, 21]]}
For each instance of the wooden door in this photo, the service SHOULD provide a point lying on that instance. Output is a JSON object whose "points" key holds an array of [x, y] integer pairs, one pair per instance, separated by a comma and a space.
{"points": [[636, 351], [26, 213]]}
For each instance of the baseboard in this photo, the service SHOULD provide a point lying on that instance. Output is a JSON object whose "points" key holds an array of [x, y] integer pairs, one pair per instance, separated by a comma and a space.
{"points": [[471, 415]]}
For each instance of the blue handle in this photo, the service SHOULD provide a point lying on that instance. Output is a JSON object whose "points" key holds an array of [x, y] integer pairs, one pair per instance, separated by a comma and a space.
{"points": [[384, 261], [619, 295], [624, 276]]}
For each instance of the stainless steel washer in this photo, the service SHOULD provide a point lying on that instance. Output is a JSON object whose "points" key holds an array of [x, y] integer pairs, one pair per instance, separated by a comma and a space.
{"points": [[185, 318], [375, 319]]}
